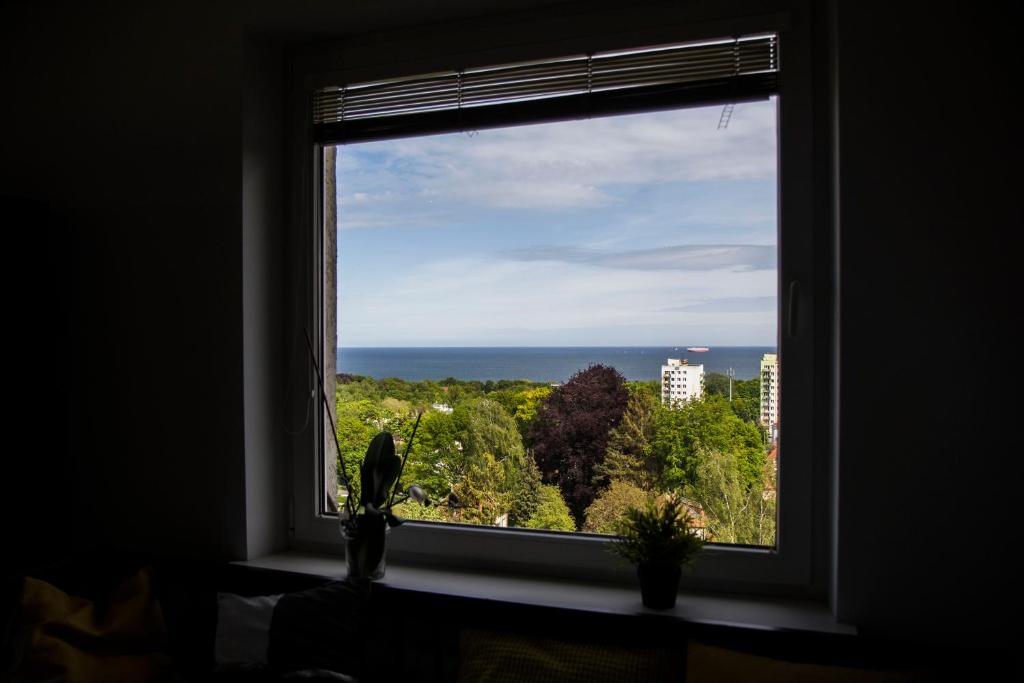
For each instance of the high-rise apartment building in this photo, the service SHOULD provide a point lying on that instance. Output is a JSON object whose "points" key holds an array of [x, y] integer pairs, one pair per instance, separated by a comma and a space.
{"points": [[681, 381], [770, 394]]}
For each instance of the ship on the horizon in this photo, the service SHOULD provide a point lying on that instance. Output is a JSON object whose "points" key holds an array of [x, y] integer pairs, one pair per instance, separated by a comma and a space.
{"points": [[697, 349]]}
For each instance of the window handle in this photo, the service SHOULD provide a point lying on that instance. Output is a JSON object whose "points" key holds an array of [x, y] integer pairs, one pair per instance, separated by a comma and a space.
{"points": [[794, 299]]}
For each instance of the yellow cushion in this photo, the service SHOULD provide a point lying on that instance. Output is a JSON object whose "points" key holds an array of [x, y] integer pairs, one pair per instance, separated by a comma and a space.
{"points": [[705, 663], [72, 639]]}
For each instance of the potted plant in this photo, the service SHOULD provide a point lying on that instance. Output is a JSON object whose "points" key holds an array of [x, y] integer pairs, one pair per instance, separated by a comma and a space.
{"points": [[659, 540], [364, 526]]}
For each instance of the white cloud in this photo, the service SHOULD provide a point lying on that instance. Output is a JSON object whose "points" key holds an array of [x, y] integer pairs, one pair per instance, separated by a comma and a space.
{"points": [[568, 165], [471, 301], [365, 198], [732, 304], [620, 275], [678, 257]]}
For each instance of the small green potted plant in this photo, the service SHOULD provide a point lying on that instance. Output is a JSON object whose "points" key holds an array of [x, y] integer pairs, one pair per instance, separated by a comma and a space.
{"points": [[659, 539]]}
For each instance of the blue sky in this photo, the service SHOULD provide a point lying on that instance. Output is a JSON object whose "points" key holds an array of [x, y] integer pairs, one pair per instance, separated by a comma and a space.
{"points": [[647, 230]]}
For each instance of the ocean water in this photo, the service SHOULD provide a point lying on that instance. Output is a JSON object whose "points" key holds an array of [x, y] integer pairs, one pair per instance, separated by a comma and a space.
{"points": [[539, 364]]}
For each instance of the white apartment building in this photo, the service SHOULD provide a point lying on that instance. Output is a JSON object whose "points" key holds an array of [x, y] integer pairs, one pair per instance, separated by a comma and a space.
{"points": [[681, 381], [770, 394]]}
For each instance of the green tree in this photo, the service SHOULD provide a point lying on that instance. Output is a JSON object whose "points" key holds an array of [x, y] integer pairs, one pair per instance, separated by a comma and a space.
{"points": [[448, 454], [552, 512], [629, 456], [456, 391], [736, 512], [747, 388], [747, 409], [356, 388], [526, 404], [396, 406], [475, 453], [480, 495], [716, 384], [650, 387], [354, 432], [506, 398], [681, 435], [436, 461], [374, 414], [487, 428], [609, 507], [523, 487], [421, 513]]}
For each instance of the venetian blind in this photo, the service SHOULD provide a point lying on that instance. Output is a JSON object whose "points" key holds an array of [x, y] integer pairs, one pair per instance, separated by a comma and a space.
{"points": [[727, 70]]}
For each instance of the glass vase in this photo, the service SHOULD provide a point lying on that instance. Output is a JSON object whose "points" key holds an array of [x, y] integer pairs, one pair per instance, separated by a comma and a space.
{"points": [[366, 554]]}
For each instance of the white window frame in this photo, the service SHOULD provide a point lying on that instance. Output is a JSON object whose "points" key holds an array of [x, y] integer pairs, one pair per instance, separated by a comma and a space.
{"points": [[798, 565]]}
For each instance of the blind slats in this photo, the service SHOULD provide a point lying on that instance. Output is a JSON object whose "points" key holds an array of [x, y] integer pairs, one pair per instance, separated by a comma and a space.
{"points": [[714, 63]]}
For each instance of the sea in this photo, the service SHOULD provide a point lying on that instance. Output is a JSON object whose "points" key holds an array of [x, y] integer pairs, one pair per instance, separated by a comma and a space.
{"points": [[540, 363]]}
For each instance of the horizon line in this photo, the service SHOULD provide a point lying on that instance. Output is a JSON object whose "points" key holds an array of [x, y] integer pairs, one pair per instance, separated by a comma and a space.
{"points": [[644, 346]]}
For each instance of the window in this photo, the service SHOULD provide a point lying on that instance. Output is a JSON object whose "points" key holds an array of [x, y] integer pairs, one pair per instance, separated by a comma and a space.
{"points": [[390, 109], [492, 272]]}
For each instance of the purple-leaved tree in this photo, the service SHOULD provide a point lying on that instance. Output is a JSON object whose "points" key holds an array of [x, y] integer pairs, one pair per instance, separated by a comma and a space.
{"points": [[570, 433]]}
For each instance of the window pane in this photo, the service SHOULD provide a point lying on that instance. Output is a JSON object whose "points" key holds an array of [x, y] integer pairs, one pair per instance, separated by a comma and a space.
{"points": [[584, 313]]}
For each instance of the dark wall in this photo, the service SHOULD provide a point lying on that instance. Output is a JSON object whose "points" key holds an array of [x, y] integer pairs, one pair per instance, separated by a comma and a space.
{"points": [[123, 127], [141, 159], [122, 123], [930, 198]]}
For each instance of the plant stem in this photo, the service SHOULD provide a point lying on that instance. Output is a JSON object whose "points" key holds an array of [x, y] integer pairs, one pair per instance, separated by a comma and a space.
{"points": [[398, 481], [334, 430]]}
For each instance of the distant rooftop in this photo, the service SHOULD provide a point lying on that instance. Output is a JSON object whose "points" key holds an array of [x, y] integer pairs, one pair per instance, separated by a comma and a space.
{"points": [[680, 362]]}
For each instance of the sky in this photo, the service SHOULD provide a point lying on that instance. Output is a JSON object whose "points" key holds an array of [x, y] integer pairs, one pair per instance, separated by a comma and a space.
{"points": [[642, 230]]}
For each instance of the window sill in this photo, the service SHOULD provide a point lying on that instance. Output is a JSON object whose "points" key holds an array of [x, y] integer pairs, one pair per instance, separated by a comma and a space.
{"points": [[738, 612]]}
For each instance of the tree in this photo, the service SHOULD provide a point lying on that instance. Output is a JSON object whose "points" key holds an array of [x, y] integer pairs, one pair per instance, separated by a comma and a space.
{"points": [[396, 406], [506, 398], [479, 494], [436, 461], [650, 387], [609, 507], [746, 394], [490, 470], [526, 404], [736, 511], [487, 428], [354, 431], [629, 456], [569, 436], [523, 486], [747, 409], [681, 435], [552, 512], [411, 511], [747, 388], [716, 384]]}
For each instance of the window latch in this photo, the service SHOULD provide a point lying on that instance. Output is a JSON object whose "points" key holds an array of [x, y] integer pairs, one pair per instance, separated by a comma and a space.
{"points": [[793, 309]]}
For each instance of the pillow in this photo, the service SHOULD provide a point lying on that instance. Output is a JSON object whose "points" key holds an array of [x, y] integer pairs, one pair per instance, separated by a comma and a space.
{"points": [[243, 630], [317, 631], [120, 637]]}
